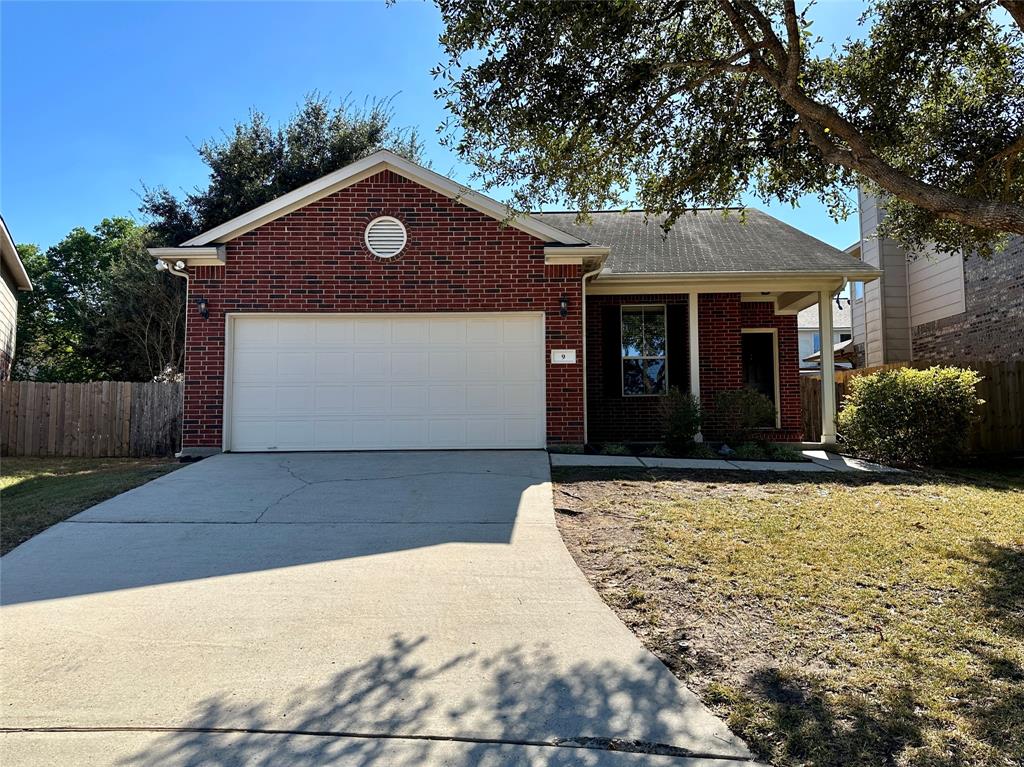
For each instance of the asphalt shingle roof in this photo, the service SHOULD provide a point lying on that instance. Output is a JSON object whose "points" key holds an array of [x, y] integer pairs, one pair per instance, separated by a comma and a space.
{"points": [[705, 241]]}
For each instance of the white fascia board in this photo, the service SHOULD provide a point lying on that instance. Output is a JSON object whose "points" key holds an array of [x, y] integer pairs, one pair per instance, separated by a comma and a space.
{"points": [[9, 253], [594, 255], [362, 169], [210, 255]]}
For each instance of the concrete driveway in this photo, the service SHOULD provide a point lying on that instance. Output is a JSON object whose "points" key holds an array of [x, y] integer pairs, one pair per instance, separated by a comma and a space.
{"points": [[349, 608]]}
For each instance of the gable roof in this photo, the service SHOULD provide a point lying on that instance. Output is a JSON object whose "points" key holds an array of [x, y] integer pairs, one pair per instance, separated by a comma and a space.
{"points": [[11, 259], [362, 169], [842, 316], [708, 241]]}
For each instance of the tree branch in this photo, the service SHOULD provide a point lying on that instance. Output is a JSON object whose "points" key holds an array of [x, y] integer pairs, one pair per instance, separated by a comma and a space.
{"points": [[823, 125], [1016, 10]]}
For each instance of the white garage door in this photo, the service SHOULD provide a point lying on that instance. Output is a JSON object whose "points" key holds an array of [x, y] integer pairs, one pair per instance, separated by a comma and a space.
{"points": [[386, 382]]}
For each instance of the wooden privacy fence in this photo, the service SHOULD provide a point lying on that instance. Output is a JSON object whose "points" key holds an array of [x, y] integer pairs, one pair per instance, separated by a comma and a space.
{"points": [[104, 419], [1000, 429]]}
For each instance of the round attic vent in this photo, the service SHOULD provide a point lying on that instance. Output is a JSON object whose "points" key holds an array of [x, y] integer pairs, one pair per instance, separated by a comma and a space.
{"points": [[385, 237]]}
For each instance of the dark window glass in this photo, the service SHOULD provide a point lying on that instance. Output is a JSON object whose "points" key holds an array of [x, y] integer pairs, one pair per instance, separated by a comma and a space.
{"points": [[644, 349]]}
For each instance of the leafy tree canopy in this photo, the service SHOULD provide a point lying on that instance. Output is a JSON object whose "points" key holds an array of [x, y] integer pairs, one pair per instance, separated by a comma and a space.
{"points": [[693, 102], [98, 311], [254, 162]]}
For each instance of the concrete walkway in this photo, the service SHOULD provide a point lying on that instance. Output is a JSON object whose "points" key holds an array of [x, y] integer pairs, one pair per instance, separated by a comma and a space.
{"points": [[389, 608], [817, 461]]}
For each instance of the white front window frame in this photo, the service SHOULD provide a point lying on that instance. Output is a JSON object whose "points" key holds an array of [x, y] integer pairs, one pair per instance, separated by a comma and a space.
{"points": [[623, 357]]}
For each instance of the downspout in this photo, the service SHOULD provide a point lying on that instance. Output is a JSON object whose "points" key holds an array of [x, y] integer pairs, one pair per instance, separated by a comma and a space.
{"points": [[583, 303], [163, 266]]}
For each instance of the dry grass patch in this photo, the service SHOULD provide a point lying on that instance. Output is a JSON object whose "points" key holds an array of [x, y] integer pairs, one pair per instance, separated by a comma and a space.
{"points": [[836, 620]]}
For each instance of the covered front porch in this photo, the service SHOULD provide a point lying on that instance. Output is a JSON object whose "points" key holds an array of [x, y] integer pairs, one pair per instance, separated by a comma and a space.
{"points": [[648, 333]]}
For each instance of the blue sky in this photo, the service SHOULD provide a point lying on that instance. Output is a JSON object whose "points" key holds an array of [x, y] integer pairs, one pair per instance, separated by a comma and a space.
{"points": [[98, 98]]}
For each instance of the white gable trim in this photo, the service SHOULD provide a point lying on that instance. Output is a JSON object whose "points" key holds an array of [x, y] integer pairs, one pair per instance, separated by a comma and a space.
{"points": [[362, 169]]}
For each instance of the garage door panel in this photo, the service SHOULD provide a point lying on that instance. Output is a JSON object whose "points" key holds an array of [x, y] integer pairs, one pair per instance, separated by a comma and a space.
{"points": [[372, 331], [333, 399], [408, 365], [297, 399], [449, 330], [296, 366], [483, 398], [363, 383], [334, 331], [370, 366], [410, 398], [296, 331], [520, 365], [369, 399]]}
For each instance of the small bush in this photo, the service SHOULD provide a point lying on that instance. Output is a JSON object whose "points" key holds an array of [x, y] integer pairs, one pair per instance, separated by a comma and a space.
{"points": [[741, 412], [659, 451], [749, 451], [910, 416], [782, 453], [682, 415], [568, 448], [614, 448], [702, 451]]}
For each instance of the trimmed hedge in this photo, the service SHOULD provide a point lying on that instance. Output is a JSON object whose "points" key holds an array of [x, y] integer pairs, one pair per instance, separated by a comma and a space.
{"points": [[910, 416]]}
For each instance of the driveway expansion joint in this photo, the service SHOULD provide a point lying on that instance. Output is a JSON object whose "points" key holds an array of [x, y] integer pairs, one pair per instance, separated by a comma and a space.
{"points": [[588, 743]]}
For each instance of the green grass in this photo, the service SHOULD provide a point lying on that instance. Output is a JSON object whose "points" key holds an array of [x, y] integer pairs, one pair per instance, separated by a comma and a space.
{"points": [[38, 492], [840, 621]]}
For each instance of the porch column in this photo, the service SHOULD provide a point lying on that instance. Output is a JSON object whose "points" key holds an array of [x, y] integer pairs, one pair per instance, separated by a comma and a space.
{"points": [[694, 348], [828, 368]]}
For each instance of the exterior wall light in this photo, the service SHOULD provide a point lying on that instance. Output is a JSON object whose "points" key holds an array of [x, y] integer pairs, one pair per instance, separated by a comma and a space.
{"points": [[563, 306], [204, 307]]}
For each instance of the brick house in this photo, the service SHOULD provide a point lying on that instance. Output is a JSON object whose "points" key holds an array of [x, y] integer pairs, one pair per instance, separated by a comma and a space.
{"points": [[384, 306], [936, 307]]}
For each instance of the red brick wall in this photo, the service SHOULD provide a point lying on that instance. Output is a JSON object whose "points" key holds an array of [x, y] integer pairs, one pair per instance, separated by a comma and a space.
{"points": [[314, 260], [612, 417], [721, 316]]}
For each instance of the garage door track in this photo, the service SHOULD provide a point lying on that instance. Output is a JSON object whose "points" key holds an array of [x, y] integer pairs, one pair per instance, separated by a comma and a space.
{"points": [[310, 608]]}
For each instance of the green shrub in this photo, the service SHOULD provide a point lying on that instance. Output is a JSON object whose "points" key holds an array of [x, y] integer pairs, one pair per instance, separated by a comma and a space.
{"points": [[741, 412], [567, 448], [749, 451], [682, 416], [659, 451], [910, 416], [614, 448], [782, 453], [702, 451]]}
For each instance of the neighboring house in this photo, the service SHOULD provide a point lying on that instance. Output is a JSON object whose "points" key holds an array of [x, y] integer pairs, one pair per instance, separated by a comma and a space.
{"points": [[14, 278], [384, 306], [810, 333], [936, 307]]}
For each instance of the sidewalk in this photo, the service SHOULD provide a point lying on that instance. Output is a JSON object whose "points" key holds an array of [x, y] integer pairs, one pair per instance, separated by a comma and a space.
{"points": [[820, 461]]}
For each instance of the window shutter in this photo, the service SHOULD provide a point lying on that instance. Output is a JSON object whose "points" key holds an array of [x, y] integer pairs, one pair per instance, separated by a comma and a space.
{"points": [[678, 339], [611, 334]]}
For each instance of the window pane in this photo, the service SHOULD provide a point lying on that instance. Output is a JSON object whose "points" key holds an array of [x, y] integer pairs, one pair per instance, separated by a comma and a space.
{"points": [[654, 376], [632, 377], [816, 341], [654, 332], [632, 332]]}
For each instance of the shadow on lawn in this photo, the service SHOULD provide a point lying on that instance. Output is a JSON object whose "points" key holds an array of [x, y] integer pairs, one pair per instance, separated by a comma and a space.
{"points": [[518, 696]]}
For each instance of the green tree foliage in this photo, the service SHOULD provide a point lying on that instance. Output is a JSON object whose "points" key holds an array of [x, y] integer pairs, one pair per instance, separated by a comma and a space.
{"points": [[98, 311], [910, 416], [693, 102], [254, 162]]}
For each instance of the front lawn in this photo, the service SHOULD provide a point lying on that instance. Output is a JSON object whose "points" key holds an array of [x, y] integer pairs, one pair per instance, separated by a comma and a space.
{"points": [[839, 620], [38, 492]]}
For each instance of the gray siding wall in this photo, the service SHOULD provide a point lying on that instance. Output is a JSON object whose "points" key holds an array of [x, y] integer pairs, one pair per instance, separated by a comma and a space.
{"points": [[936, 286], [886, 308]]}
